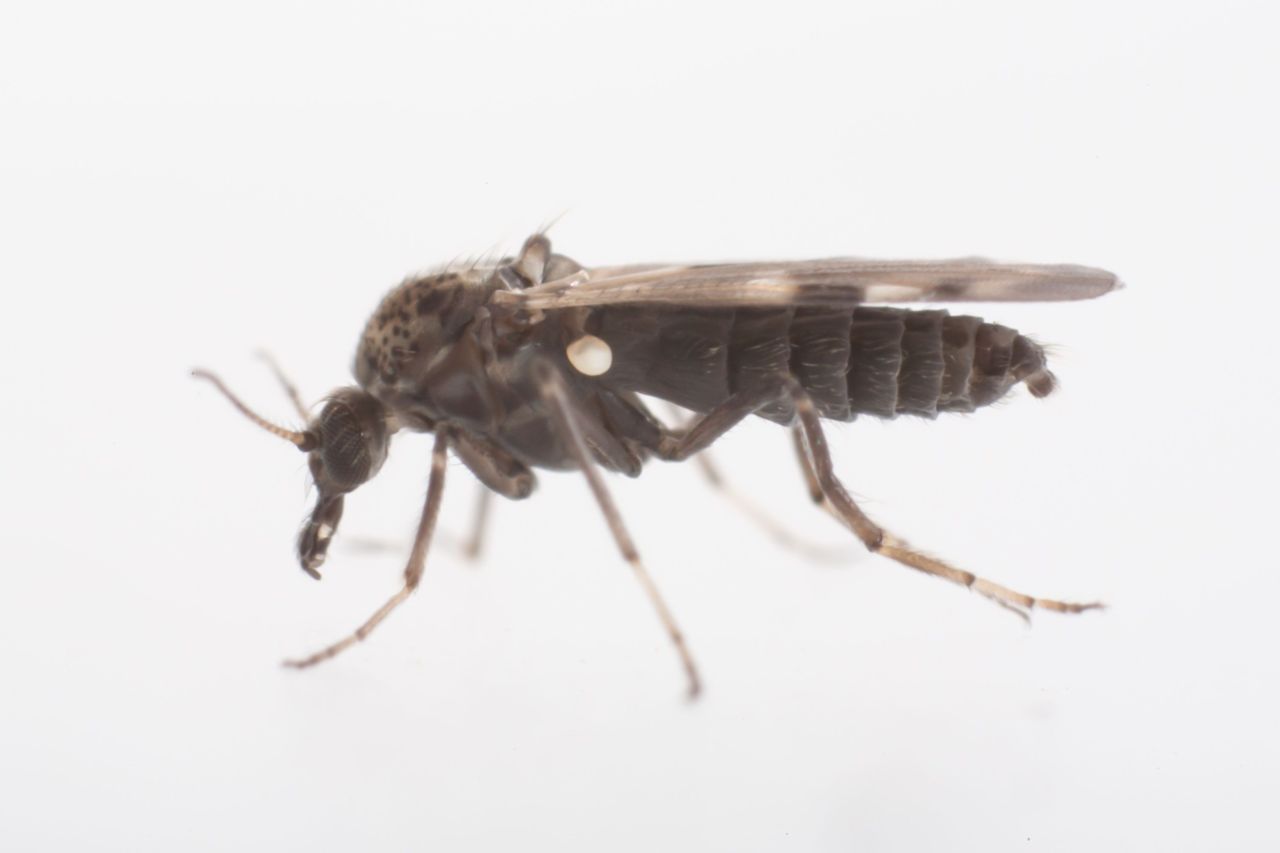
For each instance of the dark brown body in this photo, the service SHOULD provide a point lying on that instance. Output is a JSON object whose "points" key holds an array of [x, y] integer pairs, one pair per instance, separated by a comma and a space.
{"points": [[539, 363], [865, 360], [882, 362]]}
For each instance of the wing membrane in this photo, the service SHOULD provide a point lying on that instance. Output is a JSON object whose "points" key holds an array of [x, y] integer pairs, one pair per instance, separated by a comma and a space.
{"points": [[833, 282]]}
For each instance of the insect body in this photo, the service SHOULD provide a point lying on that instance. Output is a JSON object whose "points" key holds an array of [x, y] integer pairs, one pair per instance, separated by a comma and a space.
{"points": [[538, 363]]}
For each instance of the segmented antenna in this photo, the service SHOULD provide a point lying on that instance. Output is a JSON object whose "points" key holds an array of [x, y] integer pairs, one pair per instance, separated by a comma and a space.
{"points": [[305, 440]]}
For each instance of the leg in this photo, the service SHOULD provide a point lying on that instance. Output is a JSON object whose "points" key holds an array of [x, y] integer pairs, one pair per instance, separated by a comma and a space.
{"points": [[412, 570], [879, 541], [497, 471], [567, 421], [494, 467], [470, 547], [810, 478], [761, 517], [480, 523], [678, 446]]}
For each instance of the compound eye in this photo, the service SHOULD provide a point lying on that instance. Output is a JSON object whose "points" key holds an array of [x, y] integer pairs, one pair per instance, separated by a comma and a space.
{"points": [[344, 448], [352, 432]]}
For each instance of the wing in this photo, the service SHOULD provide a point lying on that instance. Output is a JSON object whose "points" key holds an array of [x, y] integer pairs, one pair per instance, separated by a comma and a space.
{"points": [[831, 282]]}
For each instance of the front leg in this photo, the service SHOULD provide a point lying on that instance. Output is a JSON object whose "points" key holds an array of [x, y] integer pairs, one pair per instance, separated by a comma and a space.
{"points": [[413, 568], [498, 472], [494, 467]]}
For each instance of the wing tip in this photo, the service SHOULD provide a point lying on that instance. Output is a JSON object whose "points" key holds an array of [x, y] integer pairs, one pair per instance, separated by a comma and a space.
{"points": [[1080, 282], [1108, 282]]}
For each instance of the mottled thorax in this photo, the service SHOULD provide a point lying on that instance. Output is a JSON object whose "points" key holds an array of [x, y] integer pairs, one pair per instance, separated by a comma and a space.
{"points": [[413, 325]]}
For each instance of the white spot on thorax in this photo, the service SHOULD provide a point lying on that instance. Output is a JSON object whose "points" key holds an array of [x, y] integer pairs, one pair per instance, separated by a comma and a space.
{"points": [[590, 356]]}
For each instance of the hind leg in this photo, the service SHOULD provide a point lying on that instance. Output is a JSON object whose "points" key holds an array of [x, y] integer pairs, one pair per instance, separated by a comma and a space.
{"points": [[817, 457], [760, 516]]}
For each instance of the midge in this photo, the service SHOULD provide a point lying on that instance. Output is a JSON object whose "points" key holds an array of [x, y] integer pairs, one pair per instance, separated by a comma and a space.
{"points": [[537, 362]]}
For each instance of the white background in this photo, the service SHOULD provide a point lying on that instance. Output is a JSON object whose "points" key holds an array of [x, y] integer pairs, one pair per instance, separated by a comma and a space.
{"points": [[183, 186]]}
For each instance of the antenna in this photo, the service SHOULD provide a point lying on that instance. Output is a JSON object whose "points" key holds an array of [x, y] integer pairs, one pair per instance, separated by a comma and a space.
{"points": [[305, 440]]}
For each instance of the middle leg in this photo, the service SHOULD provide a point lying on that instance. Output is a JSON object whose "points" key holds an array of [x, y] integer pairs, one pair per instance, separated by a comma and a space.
{"points": [[569, 424]]}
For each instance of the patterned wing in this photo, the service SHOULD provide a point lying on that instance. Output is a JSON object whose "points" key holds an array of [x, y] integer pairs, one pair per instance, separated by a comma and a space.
{"points": [[833, 282]]}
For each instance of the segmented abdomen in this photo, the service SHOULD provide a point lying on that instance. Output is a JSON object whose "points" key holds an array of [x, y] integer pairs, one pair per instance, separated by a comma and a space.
{"points": [[860, 361]]}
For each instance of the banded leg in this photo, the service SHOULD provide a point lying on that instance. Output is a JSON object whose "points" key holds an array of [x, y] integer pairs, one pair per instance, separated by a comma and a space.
{"points": [[569, 424], [758, 515], [880, 541], [412, 570]]}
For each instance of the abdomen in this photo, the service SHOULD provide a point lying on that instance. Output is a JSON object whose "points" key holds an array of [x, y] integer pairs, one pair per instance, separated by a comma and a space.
{"points": [[875, 361]]}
